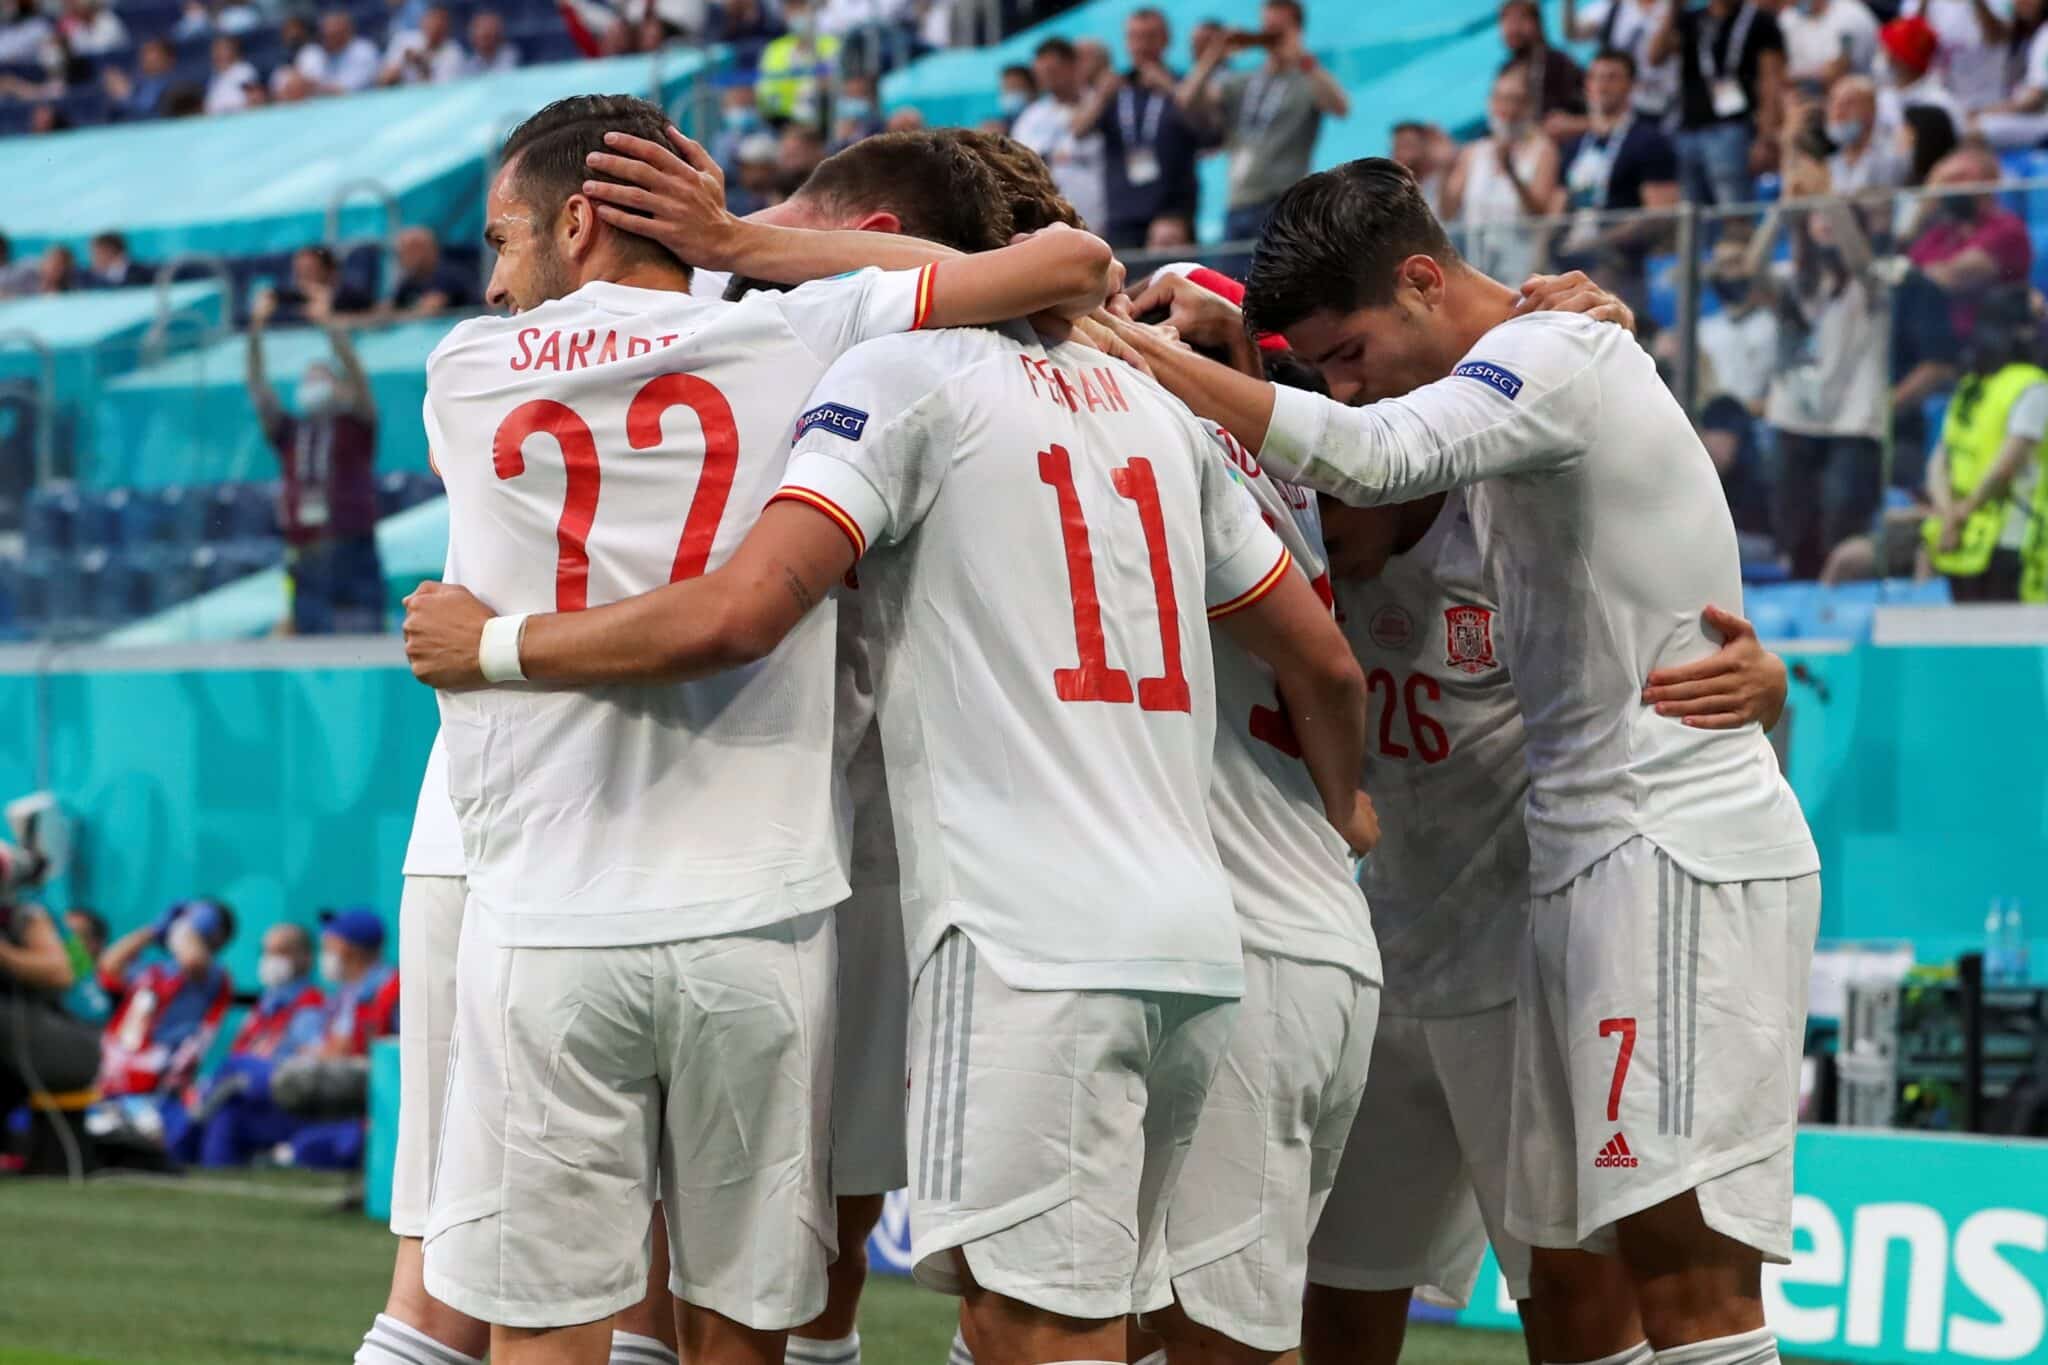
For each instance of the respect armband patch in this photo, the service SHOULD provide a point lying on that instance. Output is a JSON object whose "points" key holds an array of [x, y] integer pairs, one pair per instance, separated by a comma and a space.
{"points": [[1493, 376], [835, 419]]}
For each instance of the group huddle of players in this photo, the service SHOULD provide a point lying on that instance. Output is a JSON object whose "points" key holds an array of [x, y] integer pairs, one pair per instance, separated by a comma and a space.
{"points": [[852, 684]]}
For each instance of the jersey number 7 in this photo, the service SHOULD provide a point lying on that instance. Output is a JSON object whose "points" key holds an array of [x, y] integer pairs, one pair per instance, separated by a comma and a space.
{"points": [[1093, 679], [544, 416]]}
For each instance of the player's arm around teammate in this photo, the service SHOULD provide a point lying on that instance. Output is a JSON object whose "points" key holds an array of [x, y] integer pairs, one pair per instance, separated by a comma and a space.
{"points": [[676, 197]]}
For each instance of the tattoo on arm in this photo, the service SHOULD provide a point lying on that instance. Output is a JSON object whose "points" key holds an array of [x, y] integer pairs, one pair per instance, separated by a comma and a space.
{"points": [[799, 591]]}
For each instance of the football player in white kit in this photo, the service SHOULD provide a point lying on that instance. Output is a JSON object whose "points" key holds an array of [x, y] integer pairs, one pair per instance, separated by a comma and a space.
{"points": [[1671, 858], [1047, 709], [645, 974]]}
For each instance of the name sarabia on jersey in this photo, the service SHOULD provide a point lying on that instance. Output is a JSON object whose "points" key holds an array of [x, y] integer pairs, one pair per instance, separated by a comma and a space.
{"points": [[541, 349], [1099, 393]]}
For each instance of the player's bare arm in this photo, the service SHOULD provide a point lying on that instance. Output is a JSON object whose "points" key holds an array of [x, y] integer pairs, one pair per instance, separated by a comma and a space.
{"points": [[1740, 683], [732, 616], [676, 196], [1324, 691]]}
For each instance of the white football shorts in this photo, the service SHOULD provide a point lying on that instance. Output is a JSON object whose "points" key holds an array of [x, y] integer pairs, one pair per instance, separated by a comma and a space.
{"points": [[1266, 1152], [585, 1080], [1047, 1131], [429, 930], [1661, 1024], [1423, 1184], [869, 1061]]}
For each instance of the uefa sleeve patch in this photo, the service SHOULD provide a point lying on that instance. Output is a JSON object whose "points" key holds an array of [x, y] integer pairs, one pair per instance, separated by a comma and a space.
{"points": [[1493, 376], [835, 419]]}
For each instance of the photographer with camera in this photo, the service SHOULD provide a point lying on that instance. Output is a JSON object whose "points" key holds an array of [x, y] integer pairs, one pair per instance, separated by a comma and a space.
{"points": [[1268, 118], [42, 1049]]}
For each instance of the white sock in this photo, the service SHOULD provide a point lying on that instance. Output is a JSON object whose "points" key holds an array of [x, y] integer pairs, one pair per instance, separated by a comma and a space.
{"points": [[1747, 1348], [959, 1355], [391, 1342], [809, 1351], [630, 1348], [1638, 1354]]}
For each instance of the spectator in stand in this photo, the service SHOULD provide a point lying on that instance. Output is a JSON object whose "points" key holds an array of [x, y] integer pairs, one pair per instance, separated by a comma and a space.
{"points": [[1016, 87], [1149, 149], [141, 95], [1731, 71], [855, 111], [327, 453], [1504, 177], [332, 1077], [1738, 342], [1622, 162], [288, 85], [759, 182], [228, 1117], [88, 929], [57, 271], [234, 84], [1968, 242], [1629, 26], [427, 55], [1970, 46], [194, 21], [90, 29], [738, 120], [168, 1008], [1426, 152], [294, 31], [428, 285], [797, 153], [24, 33], [1048, 127], [340, 63], [2021, 118], [16, 277], [1268, 119], [1169, 231], [488, 50], [1981, 480], [1906, 78], [1861, 160], [1829, 402], [109, 265], [1925, 138], [1826, 40], [1925, 356], [743, 22], [907, 118], [317, 287], [790, 77], [1556, 85]]}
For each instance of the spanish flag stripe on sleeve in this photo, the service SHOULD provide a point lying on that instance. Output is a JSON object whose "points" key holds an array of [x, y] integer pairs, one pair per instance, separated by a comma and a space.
{"points": [[1256, 591], [924, 296], [840, 518]]}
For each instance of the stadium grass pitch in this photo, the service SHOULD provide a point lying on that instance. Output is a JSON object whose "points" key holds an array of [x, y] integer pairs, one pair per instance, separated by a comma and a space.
{"points": [[265, 1270]]}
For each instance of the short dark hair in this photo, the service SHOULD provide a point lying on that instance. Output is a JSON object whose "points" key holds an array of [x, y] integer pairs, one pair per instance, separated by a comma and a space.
{"points": [[1148, 12], [1055, 47], [551, 146], [1019, 69], [1615, 54], [1026, 182], [1529, 5], [302, 937], [1411, 125], [112, 241], [1293, 7], [94, 920], [1333, 241], [934, 184]]}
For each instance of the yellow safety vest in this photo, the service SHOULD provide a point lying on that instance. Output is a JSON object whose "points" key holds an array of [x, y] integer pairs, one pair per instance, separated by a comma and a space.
{"points": [[1971, 436], [789, 70], [2034, 549]]}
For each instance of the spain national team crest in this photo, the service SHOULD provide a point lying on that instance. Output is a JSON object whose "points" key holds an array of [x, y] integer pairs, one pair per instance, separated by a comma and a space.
{"points": [[1468, 639]]}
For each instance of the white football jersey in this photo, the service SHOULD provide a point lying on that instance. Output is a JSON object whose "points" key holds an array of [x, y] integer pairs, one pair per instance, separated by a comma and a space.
{"points": [[435, 847], [866, 832], [1604, 534], [1290, 873], [1446, 769], [1050, 527], [598, 447]]}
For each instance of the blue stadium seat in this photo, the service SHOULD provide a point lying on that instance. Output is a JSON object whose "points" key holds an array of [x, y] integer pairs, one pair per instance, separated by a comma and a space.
{"points": [[94, 526], [252, 555], [180, 514], [1771, 620], [10, 594], [210, 569], [1904, 592], [242, 511], [50, 521]]}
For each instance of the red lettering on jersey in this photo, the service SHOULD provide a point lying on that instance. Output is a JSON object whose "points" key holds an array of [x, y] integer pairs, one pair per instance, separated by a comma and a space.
{"points": [[609, 351], [1090, 394], [550, 356], [1030, 373], [669, 340], [525, 357], [1239, 456], [721, 457], [1468, 639], [1111, 393], [638, 346], [1294, 495], [579, 350], [1066, 387]]}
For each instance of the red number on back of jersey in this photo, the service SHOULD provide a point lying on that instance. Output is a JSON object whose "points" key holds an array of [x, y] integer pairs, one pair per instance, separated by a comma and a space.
{"points": [[582, 478], [1425, 731], [1092, 678]]}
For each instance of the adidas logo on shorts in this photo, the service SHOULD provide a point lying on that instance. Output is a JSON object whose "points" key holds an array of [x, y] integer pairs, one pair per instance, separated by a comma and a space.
{"points": [[1615, 1153]]}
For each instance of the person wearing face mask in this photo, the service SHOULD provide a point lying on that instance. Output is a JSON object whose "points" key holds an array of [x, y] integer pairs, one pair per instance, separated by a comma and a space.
{"points": [[792, 67], [855, 112], [739, 118], [170, 1007], [325, 1088], [1861, 160], [327, 453], [1015, 89], [1969, 243], [229, 1116], [1508, 175]]}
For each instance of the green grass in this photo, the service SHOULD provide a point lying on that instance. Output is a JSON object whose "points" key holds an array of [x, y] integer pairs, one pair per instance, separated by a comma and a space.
{"points": [[267, 1271]]}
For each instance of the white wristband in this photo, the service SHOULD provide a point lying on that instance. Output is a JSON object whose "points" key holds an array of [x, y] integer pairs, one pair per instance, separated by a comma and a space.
{"points": [[497, 654]]}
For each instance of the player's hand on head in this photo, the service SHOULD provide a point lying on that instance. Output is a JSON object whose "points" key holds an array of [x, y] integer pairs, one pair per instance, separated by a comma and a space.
{"points": [[1573, 292], [1203, 317], [1738, 684], [444, 629], [674, 195]]}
